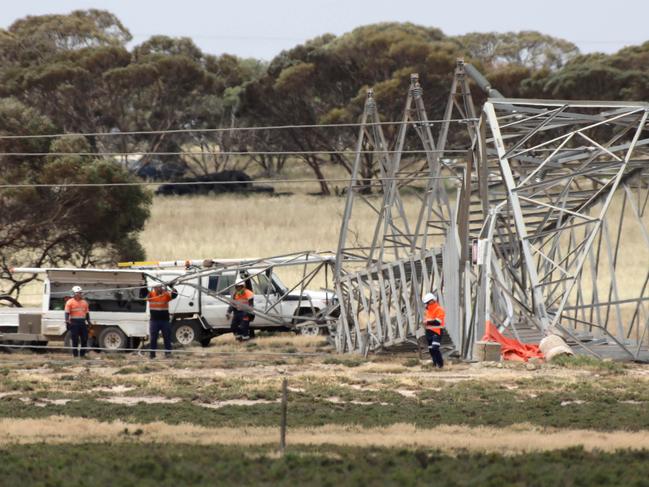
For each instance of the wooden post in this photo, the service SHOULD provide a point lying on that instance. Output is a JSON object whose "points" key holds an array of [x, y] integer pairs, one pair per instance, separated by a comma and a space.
{"points": [[282, 427]]}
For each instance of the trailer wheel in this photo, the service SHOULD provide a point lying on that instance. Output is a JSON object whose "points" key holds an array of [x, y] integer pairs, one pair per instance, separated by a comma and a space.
{"points": [[184, 333], [112, 338]]}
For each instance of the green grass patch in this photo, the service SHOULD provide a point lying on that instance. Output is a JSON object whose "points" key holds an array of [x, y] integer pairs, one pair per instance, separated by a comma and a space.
{"points": [[590, 363], [597, 401], [347, 362], [411, 362], [132, 463], [140, 369], [577, 406]]}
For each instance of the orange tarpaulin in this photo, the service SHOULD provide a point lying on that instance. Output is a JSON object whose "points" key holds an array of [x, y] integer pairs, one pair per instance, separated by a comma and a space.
{"points": [[510, 349]]}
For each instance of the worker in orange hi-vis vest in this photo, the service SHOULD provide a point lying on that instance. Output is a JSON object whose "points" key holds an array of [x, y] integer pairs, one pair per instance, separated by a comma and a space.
{"points": [[77, 315], [158, 299], [241, 311], [435, 323]]}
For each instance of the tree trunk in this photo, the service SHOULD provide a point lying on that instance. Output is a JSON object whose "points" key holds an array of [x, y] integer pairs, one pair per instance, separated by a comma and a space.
{"points": [[314, 164]]}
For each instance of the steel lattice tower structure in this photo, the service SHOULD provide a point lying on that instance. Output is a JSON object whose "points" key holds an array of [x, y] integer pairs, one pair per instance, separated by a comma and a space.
{"points": [[527, 228]]}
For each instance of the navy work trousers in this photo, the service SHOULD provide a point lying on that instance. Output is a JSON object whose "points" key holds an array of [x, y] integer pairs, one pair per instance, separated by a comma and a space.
{"points": [[240, 324], [78, 329], [155, 328], [434, 341]]}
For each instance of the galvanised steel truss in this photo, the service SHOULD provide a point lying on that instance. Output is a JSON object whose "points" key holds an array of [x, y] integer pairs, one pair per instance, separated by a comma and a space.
{"points": [[544, 228], [566, 191]]}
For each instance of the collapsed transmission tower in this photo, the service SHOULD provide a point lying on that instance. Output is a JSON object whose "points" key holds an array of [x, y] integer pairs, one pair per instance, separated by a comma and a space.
{"points": [[540, 226]]}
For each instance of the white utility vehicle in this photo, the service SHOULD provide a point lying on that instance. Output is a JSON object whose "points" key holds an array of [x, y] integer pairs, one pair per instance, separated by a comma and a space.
{"points": [[199, 311], [117, 308], [120, 316]]}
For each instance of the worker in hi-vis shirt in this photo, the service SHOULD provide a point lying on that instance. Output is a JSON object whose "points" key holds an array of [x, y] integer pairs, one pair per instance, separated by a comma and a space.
{"points": [[240, 311], [435, 323], [159, 298], [77, 316]]}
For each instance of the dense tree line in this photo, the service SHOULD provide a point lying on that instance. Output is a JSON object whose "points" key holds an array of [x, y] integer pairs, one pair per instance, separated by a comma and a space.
{"points": [[76, 74]]}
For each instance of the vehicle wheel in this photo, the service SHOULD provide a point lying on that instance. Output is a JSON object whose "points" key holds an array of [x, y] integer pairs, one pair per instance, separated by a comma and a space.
{"points": [[310, 328], [112, 338], [205, 342], [184, 333]]}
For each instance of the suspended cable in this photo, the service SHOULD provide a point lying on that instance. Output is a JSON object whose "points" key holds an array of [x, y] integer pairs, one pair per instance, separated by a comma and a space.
{"points": [[237, 129], [349, 152], [186, 183]]}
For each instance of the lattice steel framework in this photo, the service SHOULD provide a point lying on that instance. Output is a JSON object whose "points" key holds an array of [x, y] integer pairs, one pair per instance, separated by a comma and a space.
{"points": [[552, 192], [565, 175]]}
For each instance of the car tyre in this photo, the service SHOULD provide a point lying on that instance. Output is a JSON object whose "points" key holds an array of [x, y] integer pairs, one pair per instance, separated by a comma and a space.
{"points": [[184, 333]]}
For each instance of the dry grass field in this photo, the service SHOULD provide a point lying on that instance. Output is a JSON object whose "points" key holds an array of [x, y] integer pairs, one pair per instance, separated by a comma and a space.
{"points": [[241, 226], [228, 226], [232, 226]]}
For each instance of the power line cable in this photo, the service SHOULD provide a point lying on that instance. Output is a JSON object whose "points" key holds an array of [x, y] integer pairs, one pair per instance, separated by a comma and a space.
{"points": [[349, 152], [186, 183], [346, 152], [237, 129]]}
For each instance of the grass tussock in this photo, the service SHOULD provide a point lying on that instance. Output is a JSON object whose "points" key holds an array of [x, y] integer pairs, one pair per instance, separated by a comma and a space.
{"points": [[346, 361], [588, 362]]}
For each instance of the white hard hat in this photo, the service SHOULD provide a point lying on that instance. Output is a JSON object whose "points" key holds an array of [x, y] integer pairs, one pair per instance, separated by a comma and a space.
{"points": [[76, 289], [429, 297], [240, 282]]}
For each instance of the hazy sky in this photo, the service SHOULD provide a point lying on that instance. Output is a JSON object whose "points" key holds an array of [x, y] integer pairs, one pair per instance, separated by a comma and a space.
{"points": [[261, 29]]}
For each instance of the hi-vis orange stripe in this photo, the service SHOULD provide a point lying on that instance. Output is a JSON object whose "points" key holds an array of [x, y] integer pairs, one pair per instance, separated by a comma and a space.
{"points": [[159, 302]]}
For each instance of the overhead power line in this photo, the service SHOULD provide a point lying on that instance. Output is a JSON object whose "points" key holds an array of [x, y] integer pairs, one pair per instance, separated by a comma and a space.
{"points": [[187, 183], [233, 129], [349, 152]]}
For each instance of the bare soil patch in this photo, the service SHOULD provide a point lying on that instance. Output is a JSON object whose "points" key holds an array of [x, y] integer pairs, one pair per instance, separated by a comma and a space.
{"points": [[134, 400]]}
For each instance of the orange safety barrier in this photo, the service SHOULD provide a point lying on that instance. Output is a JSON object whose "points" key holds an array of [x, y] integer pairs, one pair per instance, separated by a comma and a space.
{"points": [[511, 349]]}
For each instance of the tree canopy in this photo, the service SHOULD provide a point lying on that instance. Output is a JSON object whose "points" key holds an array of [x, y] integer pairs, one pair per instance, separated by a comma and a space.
{"points": [[77, 73]]}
